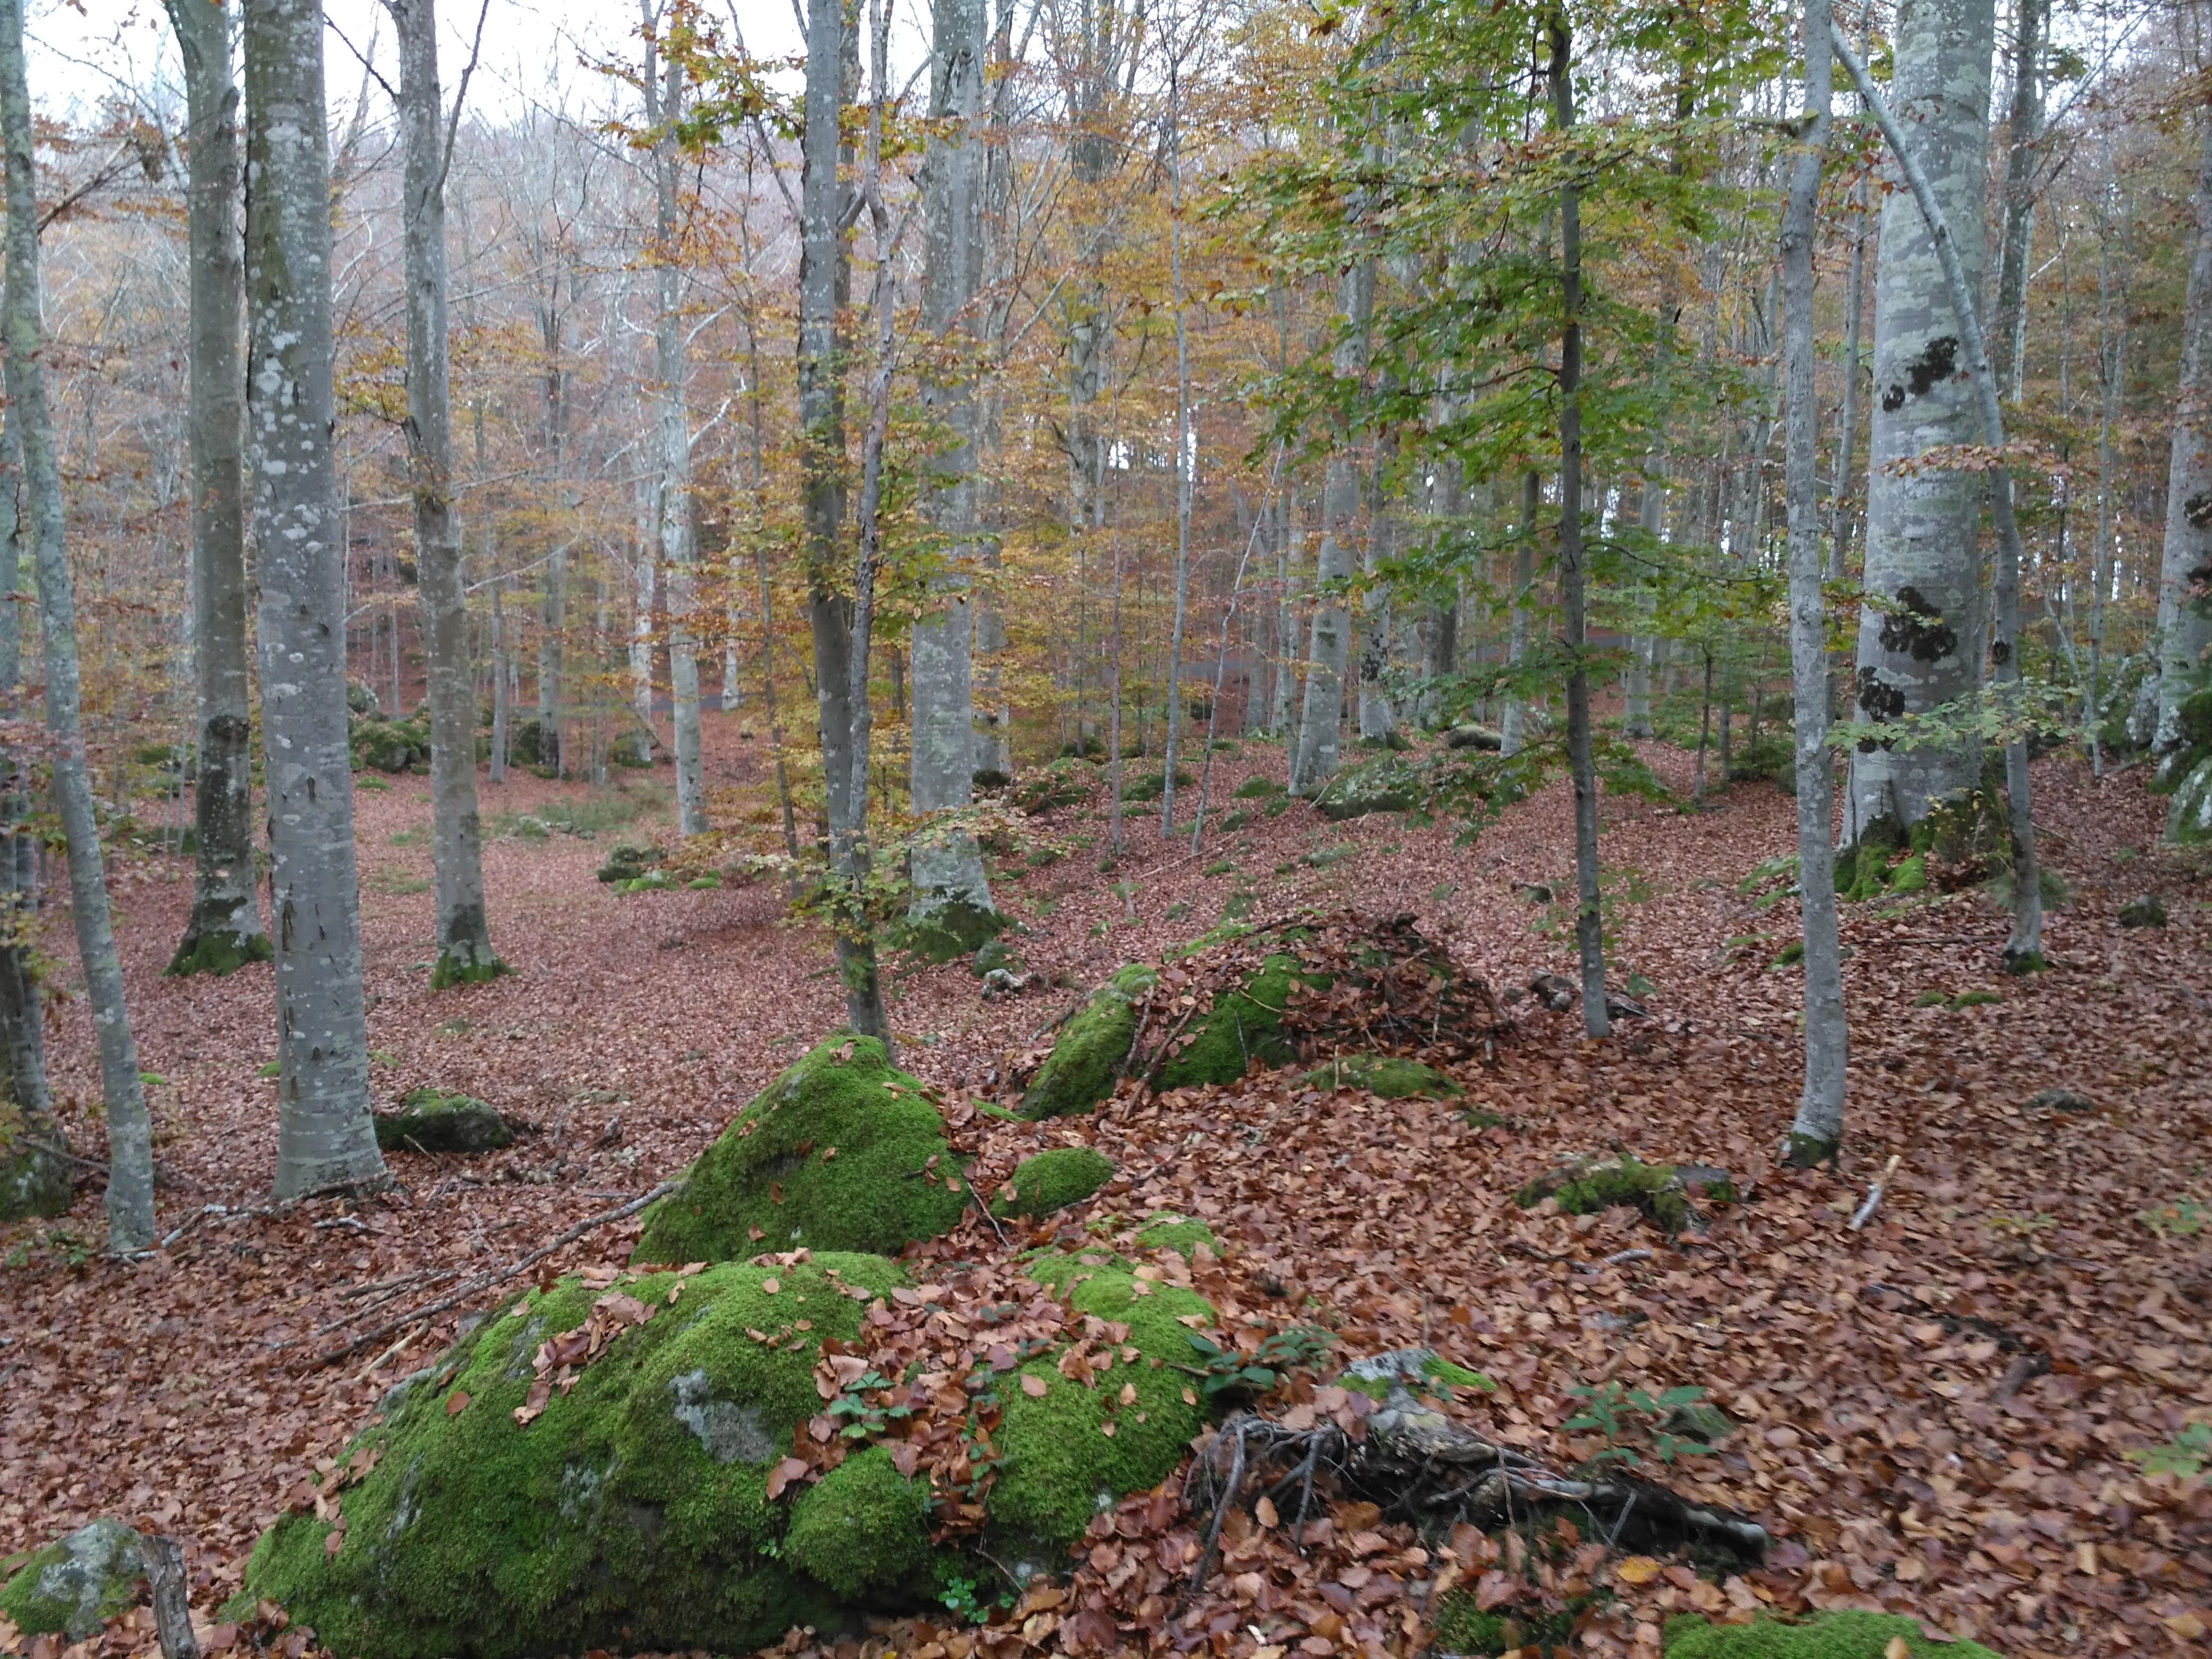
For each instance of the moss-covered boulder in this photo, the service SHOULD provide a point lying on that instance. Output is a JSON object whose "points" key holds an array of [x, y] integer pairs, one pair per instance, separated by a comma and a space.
{"points": [[1063, 782], [1474, 736], [842, 1151], [1850, 1633], [1663, 1191], [2143, 910], [1053, 1180], [77, 1584], [631, 1514], [631, 860], [1150, 786], [953, 928], [1257, 789], [2189, 817], [33, 1181], [1244, 1025], [1087, 1055], [390, 746], [1388, 1075], [432, 1120], [1385, 784]]}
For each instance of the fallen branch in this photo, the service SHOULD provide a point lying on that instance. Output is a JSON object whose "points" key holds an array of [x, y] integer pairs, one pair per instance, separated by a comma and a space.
{"points": [[483, 1282], [1874, 1193]]}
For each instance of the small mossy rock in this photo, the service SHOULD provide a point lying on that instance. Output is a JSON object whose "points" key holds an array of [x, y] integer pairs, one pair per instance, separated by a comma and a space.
{"points": [[2065, 1102], [1061, 1469], [435, 1121], [862, 1530], [1474, 736], [32, 1181], [1087, 1055], [954, 928], [2144, 910], [1385, 784], [1166, 1231], [841, 1152], [76, 1583], [1243, 1025], [1386, 1075], [1063, 782], [1257, 788], [1053, 1180], [389, 745], [1150, 786], [1584, 1186], [633, 1512], [1848, 1633], [630, 861]]}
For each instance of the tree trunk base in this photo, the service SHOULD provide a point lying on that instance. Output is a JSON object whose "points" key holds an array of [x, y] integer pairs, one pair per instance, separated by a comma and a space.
{"points": [[218, 948]]}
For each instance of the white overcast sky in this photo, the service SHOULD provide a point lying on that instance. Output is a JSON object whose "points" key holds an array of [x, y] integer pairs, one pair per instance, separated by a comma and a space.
{"points": [[81, 53]]}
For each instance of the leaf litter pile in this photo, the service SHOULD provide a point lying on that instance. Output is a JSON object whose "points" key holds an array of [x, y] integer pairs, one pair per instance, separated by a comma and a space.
{"points": [[1978, 1409]]}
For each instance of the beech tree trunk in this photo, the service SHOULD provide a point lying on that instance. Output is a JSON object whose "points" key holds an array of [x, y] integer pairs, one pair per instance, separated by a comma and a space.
{"points": [[1321, 716], [822, 281], [325, 1139], [1819, 1129], [129, 1132], [2185, 587], [465, 951], [1511, 723], [1922, 575], [224, 931], [949, 870]]}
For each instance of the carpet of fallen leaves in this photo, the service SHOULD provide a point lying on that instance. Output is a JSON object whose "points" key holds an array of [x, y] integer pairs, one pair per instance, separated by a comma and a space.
{"points": [[1936, 1411]]}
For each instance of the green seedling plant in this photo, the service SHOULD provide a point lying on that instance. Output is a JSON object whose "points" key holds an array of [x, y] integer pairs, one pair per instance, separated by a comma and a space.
{"points": [[2185, 1454], [2185, 1218], [1228, 1371], [1608, 1409]]}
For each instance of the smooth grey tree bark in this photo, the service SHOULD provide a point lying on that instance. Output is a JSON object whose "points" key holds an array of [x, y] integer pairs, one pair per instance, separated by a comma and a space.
{"points": [[1186, 455], [2184, 584], [1590, 916], [1922, 577], [1513, 721], [2023, 951], [664, 83], [821, 281], [1818, 1131], [949, 871], [224, 931], [35, 1177], [1321, 716], [129, 1131], [325, 1139], [464, 950]]}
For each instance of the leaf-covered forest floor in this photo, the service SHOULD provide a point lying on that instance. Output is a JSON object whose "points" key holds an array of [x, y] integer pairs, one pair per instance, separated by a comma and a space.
{"points": [[1934, 1411]]}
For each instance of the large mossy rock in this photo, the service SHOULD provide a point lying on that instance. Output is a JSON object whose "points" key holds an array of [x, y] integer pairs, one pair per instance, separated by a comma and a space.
{"points": [[430, 1120], [1244, 1025], [384, 745], [632, 1514], [77, 1584], [1087, 1055], [2189, 818], [1851, 1633], [33, 1181], [1385, 784], [953, 928], [1053, 1180], [842, 1151]]}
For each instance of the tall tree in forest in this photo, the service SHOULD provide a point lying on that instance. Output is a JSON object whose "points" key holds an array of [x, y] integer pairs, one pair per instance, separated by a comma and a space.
{"points": [[1923, 578], [2184, 587], [34, 1164], [224, 930], [324, 1138], [464, 953], [1819, 1129], [822, 282], [949, 870], [1589, 919], [663, 84], [1186, 444], [129, 1131]]}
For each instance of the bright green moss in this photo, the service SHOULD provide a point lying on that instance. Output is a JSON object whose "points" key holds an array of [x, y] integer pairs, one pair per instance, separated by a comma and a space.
{"points": [[1586, 1188], [220, 951], [1257, 789], [1911, 875], [1053, 1180], [77, 1584], [432, 1120], [863, 1528], [1464, 1627], [1061, 1467], [1087, 1056], [2188, 819], [836, 1154], [1849, 1634], [1169, 1231], [1243, 1025], [1386, 1075], [954, 928], [633, 1510]]}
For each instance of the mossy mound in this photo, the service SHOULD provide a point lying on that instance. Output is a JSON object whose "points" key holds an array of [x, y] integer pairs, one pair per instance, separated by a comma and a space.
{"points": [[219, 951], [1474, 736], [383, 745], [33, 1181], [1150, 786], [1052, 1180], [2143, 910], [1385, 784], [1386, 1075], [1243, 1025], [954, 928], [1085, 1059], [630, 861], [1846, 1634], [2189, 818], [1256, 789], [842, 1151], [1063, 782], [1584, 1186], [76, 1583], [432, 1120], [633, 1512]]}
